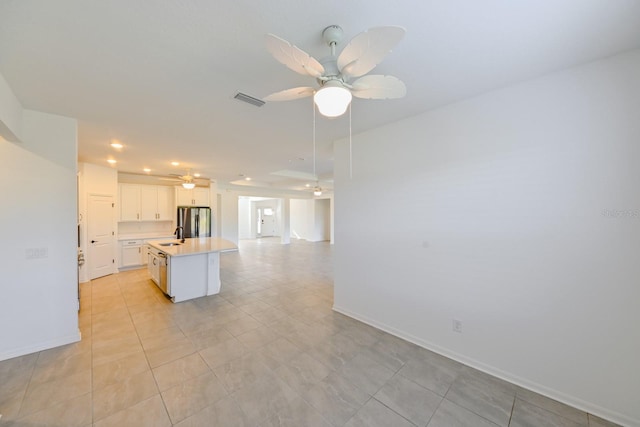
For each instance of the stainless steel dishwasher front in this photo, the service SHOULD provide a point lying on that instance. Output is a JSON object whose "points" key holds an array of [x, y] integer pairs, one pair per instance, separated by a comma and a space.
{"points": [[162, 260]]}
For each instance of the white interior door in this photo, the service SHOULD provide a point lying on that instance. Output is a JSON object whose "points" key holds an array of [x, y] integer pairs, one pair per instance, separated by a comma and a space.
{"points": [[266, 222], [101, 235]]}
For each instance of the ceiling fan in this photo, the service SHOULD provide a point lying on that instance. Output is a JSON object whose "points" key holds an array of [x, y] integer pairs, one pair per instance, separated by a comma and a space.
{"points": [[317, 190], [341, 76], [188, 180]]}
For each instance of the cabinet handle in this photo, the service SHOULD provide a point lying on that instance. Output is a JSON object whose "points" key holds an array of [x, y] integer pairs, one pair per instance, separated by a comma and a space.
{"points": [[137, 216], [138, 250]]}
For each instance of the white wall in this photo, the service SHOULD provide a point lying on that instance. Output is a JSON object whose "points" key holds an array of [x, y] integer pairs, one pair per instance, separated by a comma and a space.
{"points": [[321, 219], [11, 112], [301, 218], [213, 201], [284, 220], [244, 219], [518, 213], [38, 307], [228, 215], [311, 219]]}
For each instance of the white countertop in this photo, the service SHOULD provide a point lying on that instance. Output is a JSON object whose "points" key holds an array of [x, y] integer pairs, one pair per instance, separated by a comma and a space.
{"points": [[194, 246]]}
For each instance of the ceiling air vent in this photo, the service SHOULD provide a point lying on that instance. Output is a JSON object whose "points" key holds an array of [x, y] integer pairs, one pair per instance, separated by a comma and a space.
{"points": [[249, 99]]}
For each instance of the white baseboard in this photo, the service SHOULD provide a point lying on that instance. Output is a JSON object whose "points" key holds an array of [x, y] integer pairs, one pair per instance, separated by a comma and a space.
{"points": [[496, 372], [40, 346]]}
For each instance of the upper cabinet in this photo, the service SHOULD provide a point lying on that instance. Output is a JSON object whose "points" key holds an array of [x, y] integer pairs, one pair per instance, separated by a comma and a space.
{"points": [[198, 196], [155, 203], [145, 202], [129, 195]]}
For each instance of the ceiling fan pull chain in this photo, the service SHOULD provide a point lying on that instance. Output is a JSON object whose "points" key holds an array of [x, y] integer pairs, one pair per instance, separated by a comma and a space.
{"points": [[314, 142], [350, 147]]}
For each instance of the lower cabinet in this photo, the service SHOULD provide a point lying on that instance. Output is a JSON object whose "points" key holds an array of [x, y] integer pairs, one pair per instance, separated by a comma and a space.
{"points": [[132, 253]]}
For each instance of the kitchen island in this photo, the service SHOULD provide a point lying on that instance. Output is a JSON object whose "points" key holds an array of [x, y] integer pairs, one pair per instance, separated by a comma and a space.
{"points": [[187, 270]]}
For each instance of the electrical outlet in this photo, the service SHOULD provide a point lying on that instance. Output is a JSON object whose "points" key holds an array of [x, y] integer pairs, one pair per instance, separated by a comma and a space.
{"points": [[457, 326], [33, 253]]}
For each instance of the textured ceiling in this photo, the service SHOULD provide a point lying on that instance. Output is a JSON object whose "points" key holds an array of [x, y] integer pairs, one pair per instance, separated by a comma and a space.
{"points": [[160, 76]]}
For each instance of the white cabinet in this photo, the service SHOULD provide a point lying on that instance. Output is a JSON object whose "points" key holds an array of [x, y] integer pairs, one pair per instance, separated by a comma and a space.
{"points": [[145, 202], [132, 253], [165, 203], [145, 254], [129, 202], [155, 203], [198, 196]]}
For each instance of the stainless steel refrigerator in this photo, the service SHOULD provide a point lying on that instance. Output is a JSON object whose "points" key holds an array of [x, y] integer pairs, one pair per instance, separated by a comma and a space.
{"points": [[196, 221]]}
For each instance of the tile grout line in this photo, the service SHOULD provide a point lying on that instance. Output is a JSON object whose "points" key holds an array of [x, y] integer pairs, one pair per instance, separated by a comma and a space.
{"points": [[513, 407], [391, 409]]}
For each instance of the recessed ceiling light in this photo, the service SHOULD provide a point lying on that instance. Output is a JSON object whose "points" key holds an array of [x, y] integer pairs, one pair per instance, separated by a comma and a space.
{"points": [[147, 170], [175, 163], [197, 175], [248, 178], [116, 144], [307, 185], [112, 161]]}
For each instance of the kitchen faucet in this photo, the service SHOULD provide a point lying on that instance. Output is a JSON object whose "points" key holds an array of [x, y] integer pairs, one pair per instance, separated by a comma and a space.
{"points": [[179, 233]]}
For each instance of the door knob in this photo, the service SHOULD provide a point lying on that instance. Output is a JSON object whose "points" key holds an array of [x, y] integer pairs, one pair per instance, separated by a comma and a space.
{"points": [[93, 241]]}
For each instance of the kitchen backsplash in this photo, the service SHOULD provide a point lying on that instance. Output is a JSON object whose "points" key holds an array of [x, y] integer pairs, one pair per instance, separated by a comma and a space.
{"points": [[146, 227]]}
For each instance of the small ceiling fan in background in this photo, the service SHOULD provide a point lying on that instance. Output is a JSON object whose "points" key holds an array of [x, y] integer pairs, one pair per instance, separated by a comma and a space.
{"points": [[315, 188], [341, 76], [188, 181]]}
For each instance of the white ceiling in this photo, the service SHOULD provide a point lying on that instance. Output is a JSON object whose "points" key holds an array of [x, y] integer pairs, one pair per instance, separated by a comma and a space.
{"points": [[160, 75]]}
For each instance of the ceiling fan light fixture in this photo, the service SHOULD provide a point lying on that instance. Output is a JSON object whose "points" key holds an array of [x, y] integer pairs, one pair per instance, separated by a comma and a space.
{"points": [[317, 191], [188, 185], [332, 99]]}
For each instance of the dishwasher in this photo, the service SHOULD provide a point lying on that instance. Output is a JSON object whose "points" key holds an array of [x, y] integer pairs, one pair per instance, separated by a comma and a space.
{"points": [[162, 272], [158, 268]]}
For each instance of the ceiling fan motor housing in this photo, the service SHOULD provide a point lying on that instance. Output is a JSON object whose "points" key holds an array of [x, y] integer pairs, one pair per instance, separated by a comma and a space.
{"points": [[330, 64], [332, 35]]}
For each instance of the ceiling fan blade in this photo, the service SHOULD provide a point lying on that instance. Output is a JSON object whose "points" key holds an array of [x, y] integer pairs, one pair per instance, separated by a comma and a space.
{"points": [[377, 86], [290, 94], [368, 49], [293, 57]]}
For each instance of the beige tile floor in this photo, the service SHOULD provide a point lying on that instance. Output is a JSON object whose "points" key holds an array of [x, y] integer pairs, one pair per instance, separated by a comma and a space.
{"points": [[267, 351]]}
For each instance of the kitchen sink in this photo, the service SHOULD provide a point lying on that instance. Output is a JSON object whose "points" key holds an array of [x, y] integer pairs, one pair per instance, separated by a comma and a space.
{"points": [[170, 244]]}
